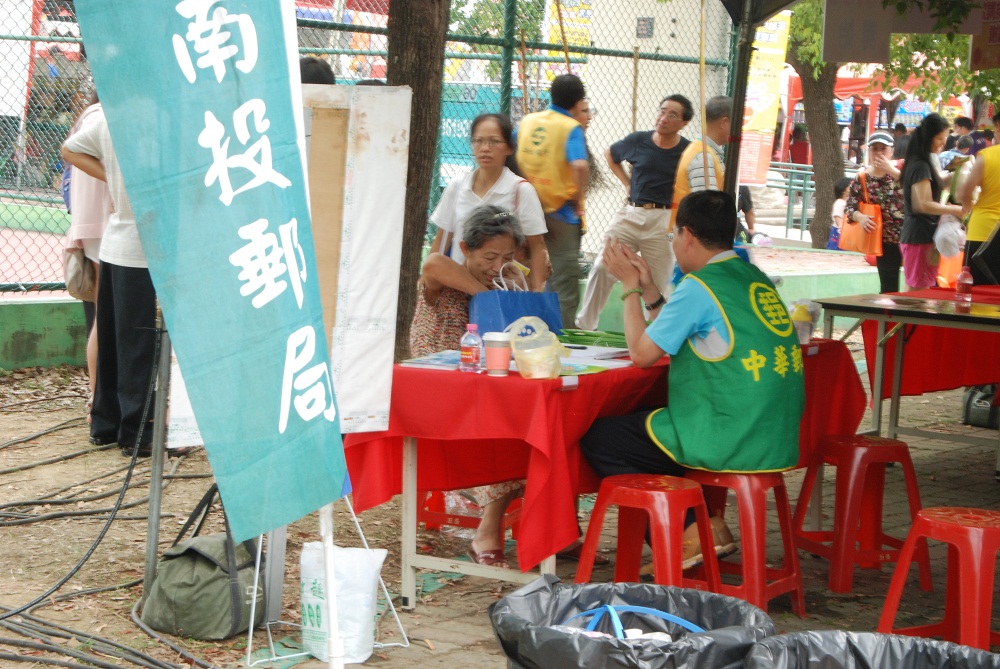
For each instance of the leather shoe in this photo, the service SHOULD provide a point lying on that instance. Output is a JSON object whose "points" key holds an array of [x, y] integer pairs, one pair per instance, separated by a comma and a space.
{"points": [[144, 451]]}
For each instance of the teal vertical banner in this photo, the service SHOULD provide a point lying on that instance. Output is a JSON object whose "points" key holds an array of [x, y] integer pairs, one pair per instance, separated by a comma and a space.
{"points": [[198, 97]]}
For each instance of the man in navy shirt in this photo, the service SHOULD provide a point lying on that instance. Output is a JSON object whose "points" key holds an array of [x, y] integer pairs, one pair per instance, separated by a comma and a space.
{"points": [[644, 220]]}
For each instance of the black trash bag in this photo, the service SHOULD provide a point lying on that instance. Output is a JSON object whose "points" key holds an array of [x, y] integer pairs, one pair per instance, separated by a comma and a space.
{"points": [[834, 649], [522, 622]]}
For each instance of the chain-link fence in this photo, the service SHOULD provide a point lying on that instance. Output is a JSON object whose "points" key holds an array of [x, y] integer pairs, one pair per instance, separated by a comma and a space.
{"points": [[500, 57]]}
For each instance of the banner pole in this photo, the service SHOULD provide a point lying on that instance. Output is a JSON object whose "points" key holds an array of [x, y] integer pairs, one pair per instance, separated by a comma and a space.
{"points": [[158, 446], [335, 643]]}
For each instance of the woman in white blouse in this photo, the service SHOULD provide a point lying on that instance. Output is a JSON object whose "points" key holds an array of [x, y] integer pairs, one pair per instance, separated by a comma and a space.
{"points": [[492, 182]]}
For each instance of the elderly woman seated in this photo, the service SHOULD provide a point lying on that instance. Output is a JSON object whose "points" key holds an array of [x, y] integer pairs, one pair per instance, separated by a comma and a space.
{"points": [[491, 236]]}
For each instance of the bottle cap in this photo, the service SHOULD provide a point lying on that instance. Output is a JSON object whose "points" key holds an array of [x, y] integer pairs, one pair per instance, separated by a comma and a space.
{"points": [[471, 327]]}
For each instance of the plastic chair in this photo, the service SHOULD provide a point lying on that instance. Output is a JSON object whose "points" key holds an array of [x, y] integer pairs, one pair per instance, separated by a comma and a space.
{"points": [[664, 502], [857, 536], [433, 514], [973, 538], [760, 583]]}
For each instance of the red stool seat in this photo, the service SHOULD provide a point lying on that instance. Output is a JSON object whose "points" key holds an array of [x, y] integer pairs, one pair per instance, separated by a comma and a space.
{"points": [[664, 502], [973, 538], [857, 537], [433, 514], [760, 584]]}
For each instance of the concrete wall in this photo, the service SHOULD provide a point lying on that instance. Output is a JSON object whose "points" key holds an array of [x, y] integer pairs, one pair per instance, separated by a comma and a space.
{"points": [[41, 332]]}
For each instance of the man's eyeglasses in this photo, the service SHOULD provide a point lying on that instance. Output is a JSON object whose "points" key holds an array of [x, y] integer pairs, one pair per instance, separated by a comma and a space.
{"points": [[671, 115], [488, 142], [670, 237]]}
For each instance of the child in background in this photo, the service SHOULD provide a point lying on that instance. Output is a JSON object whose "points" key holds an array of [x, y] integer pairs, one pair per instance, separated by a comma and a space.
{"points": [[840, 192]]}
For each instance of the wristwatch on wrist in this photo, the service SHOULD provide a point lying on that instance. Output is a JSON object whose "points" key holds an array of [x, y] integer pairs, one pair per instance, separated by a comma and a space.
{"points": [[657, 304]]}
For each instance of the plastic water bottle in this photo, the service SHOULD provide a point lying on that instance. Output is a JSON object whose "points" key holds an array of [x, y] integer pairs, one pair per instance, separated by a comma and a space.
{"points": [[471, 348], [963, 286]]}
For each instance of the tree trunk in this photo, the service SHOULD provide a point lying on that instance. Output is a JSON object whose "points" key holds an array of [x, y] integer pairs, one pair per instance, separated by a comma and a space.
{"points": [[824, 135], [416, 36]]}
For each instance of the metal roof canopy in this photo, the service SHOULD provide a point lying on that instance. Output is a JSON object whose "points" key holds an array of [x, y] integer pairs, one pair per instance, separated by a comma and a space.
{"points": [[746, 16]]}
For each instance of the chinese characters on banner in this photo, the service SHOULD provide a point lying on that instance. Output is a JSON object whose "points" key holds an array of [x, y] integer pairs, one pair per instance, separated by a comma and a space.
{"points": [[203, 118], [763, 98]]}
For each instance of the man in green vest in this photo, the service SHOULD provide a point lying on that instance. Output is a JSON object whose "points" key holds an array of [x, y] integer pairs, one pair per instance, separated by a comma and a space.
{"points": [[730, 338], [552, 155]]}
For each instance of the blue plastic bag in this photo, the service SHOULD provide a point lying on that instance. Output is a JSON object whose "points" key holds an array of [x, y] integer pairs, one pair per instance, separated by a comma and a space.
{"points": [[494, 310], [832, 242]]}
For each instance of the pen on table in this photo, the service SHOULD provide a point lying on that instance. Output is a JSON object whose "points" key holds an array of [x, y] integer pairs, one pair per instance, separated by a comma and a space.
{"points": [[576, 346]]}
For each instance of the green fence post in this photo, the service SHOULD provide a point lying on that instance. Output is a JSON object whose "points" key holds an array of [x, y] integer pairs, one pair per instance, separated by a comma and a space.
{"points": [[507, 55]]}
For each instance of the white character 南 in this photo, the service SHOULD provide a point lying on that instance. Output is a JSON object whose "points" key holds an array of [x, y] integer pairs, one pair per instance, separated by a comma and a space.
{"points": [[306, 387], [264, 262], [210, 36], [256, 159]]}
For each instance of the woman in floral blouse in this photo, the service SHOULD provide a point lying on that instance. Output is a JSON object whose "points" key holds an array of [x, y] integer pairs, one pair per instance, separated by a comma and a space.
{"points": [[884, 189]]}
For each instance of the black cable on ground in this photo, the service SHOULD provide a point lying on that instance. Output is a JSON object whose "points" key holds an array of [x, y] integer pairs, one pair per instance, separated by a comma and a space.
{"points": [[61, 458], [65, 425], [121, 496], [26, 519], [63, 650], [42, 660], [38, 401], [167, 642]]}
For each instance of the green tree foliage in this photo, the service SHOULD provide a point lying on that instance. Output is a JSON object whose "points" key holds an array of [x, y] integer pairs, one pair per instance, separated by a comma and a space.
{"points": [[485, 18], [805, 55]]}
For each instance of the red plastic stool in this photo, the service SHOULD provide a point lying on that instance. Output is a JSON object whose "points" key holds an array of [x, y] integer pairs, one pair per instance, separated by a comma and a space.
{"points": [[973, 538], [760, 584], [857, 536], [664, 500], [433, 514]]}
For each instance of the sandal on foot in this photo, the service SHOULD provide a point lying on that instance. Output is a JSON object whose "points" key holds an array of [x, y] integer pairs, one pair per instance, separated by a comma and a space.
{"points": [[493, 558], [573, 554]]}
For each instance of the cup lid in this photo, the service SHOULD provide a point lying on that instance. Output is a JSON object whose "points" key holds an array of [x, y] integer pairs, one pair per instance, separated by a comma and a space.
{"points": [[496, 336]]}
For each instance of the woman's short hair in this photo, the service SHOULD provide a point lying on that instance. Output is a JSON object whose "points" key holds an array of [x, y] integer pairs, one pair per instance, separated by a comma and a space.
{"points": [[487, 222]]}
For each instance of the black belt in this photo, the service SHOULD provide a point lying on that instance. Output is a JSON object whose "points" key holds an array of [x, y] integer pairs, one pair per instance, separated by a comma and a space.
{"points": [[649, 205]]}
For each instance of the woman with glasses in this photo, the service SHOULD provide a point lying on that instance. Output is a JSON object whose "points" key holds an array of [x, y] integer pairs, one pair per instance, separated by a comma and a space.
{"points": [[493, 182]]}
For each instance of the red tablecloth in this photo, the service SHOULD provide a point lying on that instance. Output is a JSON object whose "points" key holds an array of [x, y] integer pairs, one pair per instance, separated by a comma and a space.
{"points": [[474, 430], [835, 398], [938, 358]]}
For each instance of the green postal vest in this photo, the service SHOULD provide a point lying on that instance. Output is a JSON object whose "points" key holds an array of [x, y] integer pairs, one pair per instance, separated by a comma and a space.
{"points": [[740, 412]]}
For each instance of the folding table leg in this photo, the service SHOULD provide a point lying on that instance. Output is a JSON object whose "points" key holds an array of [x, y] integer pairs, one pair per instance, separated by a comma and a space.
{"points": [[878, 378], [409, 538], [897, 382]]}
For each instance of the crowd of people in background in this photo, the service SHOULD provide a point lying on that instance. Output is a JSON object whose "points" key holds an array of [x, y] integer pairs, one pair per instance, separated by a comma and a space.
{"points": [[916, 179]]}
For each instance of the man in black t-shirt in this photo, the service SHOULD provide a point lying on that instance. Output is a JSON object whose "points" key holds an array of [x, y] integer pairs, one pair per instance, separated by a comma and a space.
{"points": [[643, 222]]}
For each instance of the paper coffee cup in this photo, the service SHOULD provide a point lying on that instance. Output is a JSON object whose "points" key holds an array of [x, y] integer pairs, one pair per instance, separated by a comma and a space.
{"points": [[804, 329], [497, 346]]}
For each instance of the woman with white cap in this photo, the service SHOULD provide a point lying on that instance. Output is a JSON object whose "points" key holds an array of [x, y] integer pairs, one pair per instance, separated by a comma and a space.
{"points": [[880, 180]]}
